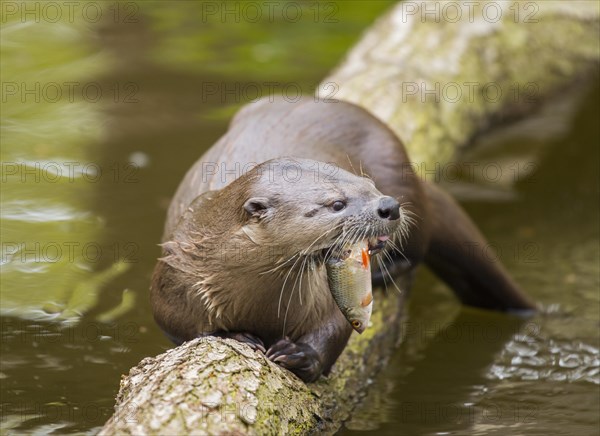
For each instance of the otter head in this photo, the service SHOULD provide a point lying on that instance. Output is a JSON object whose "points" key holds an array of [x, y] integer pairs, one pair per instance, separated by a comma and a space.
{"points": [[301, 206], [281, 220]]}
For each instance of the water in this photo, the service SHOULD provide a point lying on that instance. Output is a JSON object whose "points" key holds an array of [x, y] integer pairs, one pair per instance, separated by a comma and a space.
{"points": [[93, 170]]}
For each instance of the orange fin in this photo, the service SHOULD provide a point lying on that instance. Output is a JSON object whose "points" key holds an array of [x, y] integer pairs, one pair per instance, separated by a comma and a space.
{"points": [[365, 258]]}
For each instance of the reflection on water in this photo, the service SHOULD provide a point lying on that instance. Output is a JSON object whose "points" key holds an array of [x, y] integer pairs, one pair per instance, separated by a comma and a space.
{"points": [[462, 370], [526, 358], [50, 136], [99, 175]]}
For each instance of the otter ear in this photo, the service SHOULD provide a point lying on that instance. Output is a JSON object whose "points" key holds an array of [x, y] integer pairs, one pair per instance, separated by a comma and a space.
{"points": [[257, 207]]}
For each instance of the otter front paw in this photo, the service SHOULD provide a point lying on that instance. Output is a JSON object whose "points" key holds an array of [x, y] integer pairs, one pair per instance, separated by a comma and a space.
{"points": [[301, 359], [249, 339]]}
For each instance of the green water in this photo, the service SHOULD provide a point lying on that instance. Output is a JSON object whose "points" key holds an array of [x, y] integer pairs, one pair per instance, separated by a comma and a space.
{"points": [[101, 117]]}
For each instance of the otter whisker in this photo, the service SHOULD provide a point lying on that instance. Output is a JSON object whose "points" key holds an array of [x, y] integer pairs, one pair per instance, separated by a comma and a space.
{"points": [[281, 265], [385, 270], [350, 162], [283, 286], [303, 252], [337, 242], [300, 284], [397, 250], [349, 236], [302, 267], [366, 231], [355, 237], [388, 256], [307, 250], [391, 278], [304, 255], [299, 281], [312, 271], [379, 261], [385, 274], [309, 272], [410, 217]]}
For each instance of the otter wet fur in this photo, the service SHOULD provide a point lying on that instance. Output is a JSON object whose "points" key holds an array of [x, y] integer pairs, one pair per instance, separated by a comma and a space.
{"points": [[248, 232]]}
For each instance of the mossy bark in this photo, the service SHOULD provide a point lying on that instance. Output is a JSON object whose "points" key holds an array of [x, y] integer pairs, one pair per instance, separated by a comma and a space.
{"points": [[214, 386], [210, 386], [438, 81]]}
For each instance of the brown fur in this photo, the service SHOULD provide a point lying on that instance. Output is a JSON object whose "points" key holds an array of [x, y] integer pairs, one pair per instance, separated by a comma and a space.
{"points": [[214, 274]]}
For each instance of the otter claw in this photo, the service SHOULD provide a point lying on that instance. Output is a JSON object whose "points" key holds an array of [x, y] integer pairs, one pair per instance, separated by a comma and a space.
{"points": [[301, 359], [278, 346], [249, 339], [293, 361]]}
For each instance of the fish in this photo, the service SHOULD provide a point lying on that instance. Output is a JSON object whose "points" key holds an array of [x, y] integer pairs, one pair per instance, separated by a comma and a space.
{"points": [[349, 277]]}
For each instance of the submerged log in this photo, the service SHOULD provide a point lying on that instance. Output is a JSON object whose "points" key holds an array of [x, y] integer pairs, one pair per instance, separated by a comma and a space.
{"points": [[221, 386]]}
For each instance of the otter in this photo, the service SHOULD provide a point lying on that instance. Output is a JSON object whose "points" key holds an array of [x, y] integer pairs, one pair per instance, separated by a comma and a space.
{"points": [[251, 224]]}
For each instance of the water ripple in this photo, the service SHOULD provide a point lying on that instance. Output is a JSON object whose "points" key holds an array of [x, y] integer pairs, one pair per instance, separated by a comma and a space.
{"points": [[32, 211], [527, 358]]}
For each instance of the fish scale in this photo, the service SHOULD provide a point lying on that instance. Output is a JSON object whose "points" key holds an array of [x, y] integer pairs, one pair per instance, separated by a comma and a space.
{"points": [[350, 284]]}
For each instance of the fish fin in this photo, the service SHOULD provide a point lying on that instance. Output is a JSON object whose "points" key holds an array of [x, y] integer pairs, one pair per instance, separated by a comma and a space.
{"points": [[365, 258]]}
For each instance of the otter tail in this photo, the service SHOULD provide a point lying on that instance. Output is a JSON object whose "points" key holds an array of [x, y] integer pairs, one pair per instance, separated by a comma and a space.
{"points": [[458, 253]]}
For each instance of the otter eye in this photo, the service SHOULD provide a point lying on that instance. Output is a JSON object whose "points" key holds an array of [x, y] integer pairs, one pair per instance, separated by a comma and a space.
{"points": [[356, 324], [338, 205]]}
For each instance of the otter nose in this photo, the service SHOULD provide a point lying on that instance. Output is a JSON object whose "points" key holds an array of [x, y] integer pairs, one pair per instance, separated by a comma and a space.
{"points": [[388, 208]]}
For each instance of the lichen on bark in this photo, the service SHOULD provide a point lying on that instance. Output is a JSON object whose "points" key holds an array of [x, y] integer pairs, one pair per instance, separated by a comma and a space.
{"points": [[437, 81], [212, 385]]}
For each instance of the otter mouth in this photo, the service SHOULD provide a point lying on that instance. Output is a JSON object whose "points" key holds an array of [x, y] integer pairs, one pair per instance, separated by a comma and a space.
{"points": [[374, 245], [377, 243]]}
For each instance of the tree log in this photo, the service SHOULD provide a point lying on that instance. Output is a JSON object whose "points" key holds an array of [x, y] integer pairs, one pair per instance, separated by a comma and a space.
{"points": [[437, 82], [214, 386]]}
